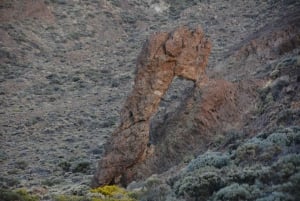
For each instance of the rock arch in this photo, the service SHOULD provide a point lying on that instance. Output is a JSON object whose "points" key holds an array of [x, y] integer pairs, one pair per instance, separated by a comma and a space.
{"points": [[184, 53]]}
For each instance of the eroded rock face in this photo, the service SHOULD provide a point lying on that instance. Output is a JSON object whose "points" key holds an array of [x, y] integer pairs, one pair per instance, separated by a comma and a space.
{"points": [[211, 110], [184, 53]]}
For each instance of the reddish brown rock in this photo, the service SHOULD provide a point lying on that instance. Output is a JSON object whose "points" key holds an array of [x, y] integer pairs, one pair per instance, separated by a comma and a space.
{"points": [[161, 59], [184, 53], [212, 109]]}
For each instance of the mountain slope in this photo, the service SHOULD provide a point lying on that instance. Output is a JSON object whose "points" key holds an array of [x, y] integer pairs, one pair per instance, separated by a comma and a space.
{"points": [[68, 66]]}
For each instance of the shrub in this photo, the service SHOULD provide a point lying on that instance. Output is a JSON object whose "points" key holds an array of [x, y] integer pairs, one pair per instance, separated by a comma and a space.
{"points": [[112, 193], [199, 185], [248, 175], [234, 192], [109, 190], [20, 195], [265, 167], [275, 196], [51, 181], [294, 185], [285, 137], [82, 167], [257, 150], [153, 189], [285, 167], [215, 159], [70, 198], [155, 193], [21, 165], [6, 182], [65, 166]]}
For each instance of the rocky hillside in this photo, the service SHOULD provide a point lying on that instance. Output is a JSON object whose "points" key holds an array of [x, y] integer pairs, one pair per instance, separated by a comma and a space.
{"points": [[67, 68]]}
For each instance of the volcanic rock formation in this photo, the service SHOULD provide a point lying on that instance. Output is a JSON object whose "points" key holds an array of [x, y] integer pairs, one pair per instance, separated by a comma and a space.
{"points": [[212, 107], [183, 53]]}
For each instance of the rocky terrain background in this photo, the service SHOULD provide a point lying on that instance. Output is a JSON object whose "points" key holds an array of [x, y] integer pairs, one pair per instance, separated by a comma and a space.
{"points": [[68, 66]]}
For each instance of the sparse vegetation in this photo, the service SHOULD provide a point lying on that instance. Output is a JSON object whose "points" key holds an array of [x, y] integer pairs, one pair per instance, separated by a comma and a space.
{"points": [[65, 166], [252, 171], [83, 167], [21, 165], [234, 192], [70, 198], [51, 181], [112, 193], [7, 182], [215, 159], [62, 85], [17, 195]]}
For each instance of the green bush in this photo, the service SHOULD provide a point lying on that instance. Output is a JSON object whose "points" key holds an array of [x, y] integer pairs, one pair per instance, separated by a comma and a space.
{"points": [[70, 198], [285, 137], [65, 166], [215, 159], [263, 164], [155, 193], [17, 195], [257, 150], [248, 175], [234, 192], [112, 193], [199, 184], [275, 196], [285, 167], [82, 167], [6, 182], [152, 189]]}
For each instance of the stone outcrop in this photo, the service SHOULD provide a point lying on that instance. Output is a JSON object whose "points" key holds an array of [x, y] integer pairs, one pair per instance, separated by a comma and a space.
{"points": [[211, 108], [184, 53]]}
